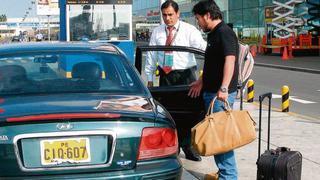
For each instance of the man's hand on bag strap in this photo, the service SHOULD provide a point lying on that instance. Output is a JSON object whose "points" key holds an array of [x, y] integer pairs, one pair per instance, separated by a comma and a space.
{"points": [[223, 94]]}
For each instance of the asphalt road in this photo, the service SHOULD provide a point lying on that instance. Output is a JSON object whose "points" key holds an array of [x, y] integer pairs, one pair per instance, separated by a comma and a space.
{"points": [[304, 89]]}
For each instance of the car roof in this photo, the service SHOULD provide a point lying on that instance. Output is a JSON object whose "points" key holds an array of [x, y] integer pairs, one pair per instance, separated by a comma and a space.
{"points": [[58, 46]]}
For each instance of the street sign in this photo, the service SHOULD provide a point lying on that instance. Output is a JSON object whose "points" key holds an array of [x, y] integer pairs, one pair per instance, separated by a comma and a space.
{"points": [[48, 7]]}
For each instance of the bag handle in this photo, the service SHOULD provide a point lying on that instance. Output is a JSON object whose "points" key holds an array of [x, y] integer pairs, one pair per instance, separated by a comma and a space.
{"points": [[210, 109], [261, 98], [227, 105]]}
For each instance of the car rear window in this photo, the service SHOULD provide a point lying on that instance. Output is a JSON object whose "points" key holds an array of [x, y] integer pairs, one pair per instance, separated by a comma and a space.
{"points": [[67, 72]]}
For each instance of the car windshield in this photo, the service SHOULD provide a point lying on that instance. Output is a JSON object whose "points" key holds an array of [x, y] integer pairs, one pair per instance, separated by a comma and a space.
{"points": [[67, 72]]}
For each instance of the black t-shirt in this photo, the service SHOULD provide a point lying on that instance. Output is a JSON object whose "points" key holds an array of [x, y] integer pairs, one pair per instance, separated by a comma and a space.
{"points": [[222, 41]]}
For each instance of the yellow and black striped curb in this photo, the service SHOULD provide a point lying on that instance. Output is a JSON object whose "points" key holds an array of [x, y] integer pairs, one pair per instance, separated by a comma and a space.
{"points": [[285, 99], [250, 95]]}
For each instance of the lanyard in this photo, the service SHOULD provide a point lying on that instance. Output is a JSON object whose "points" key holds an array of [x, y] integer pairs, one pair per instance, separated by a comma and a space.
{"points": [[175, 34]]}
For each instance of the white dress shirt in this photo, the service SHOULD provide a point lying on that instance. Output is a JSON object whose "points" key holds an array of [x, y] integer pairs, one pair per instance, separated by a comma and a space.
{"points": [[184, 35]]}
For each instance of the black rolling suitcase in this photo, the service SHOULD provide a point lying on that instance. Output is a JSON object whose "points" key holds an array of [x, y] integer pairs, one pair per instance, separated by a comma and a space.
{"points": [[278, 164]]}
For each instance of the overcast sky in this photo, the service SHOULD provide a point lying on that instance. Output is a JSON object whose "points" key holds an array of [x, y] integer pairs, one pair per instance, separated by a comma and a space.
{"points": [[17, 8]]}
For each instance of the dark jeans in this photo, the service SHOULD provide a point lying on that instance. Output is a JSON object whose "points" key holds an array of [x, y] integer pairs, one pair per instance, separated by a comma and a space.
{"points": [[177, 77]]}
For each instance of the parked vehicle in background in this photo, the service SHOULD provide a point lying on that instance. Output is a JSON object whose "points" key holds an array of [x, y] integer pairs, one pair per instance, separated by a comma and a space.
{"points": [[16, 39], [80, 111]]}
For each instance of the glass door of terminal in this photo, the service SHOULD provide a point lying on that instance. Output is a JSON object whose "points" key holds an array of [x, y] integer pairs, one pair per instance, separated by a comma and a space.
{"points": [[99, 20]]}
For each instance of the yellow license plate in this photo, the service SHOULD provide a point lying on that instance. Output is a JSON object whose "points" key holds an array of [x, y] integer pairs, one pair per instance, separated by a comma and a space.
{"points": [[67, 150]]}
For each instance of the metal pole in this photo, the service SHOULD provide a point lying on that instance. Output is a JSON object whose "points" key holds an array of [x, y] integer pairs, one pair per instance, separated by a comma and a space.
{"points": [[114, 17], [63, 20], [49, 28]]}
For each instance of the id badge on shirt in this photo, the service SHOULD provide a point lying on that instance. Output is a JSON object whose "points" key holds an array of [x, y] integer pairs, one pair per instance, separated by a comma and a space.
{"points": [[168, 58]]}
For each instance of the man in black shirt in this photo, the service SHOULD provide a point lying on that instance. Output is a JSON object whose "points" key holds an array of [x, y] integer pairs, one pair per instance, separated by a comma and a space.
{"points": [[220, 72]]}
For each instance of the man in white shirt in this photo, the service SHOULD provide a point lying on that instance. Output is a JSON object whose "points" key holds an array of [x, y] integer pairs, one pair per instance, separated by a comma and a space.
{"points": [[181, 69], [39, 37], [176, 68]]}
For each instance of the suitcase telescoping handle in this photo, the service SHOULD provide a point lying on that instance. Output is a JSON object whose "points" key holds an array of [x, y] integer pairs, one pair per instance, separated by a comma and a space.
{"points": [[261, 98]]}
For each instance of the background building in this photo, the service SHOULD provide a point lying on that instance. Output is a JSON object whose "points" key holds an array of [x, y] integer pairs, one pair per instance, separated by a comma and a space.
{"points": [[29, 26], [251, 19], [147, 15]]}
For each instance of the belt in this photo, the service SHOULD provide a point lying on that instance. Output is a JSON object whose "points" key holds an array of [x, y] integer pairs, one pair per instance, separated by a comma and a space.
{"points": [[182, 70]]}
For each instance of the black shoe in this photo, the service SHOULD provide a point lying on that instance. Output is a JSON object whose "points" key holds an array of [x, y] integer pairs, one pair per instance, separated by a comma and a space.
{"points": [[191, 154]]}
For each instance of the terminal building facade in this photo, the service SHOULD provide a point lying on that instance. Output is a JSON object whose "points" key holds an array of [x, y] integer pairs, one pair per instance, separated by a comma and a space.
{"points": [[251, 19]]}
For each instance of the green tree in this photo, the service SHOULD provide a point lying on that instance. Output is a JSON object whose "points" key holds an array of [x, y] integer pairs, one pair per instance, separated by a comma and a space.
{"points": [[3, 18]]}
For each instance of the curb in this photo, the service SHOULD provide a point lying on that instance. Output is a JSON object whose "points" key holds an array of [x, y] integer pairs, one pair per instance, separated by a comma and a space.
{"points": [[314, 71]]}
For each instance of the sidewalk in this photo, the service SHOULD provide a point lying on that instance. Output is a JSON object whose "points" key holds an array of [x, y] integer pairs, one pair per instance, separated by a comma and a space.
{"points": [[293, 131], [300, 63]]}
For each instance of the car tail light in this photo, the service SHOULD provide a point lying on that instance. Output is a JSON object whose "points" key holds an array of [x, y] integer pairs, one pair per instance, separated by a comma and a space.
{"points": [[157, 142]]}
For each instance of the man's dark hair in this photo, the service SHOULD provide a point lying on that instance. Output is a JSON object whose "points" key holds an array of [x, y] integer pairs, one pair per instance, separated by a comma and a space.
{"points": [[207, 6], [172, 3]]}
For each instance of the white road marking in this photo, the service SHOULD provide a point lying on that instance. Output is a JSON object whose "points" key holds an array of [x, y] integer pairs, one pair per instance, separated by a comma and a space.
{"points": [[318, 90], [301, 100], [293, 98], [276, 96]]}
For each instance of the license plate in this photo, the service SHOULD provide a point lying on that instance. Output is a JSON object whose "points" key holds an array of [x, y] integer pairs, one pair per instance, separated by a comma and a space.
{"points": [[67, 150]]}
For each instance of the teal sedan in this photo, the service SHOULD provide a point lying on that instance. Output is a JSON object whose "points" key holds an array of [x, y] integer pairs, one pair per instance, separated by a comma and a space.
{"points": [[80, 111]]}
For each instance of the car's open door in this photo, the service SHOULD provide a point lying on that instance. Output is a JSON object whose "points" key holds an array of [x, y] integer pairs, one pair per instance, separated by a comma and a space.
{"points": [[186, 111]]}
